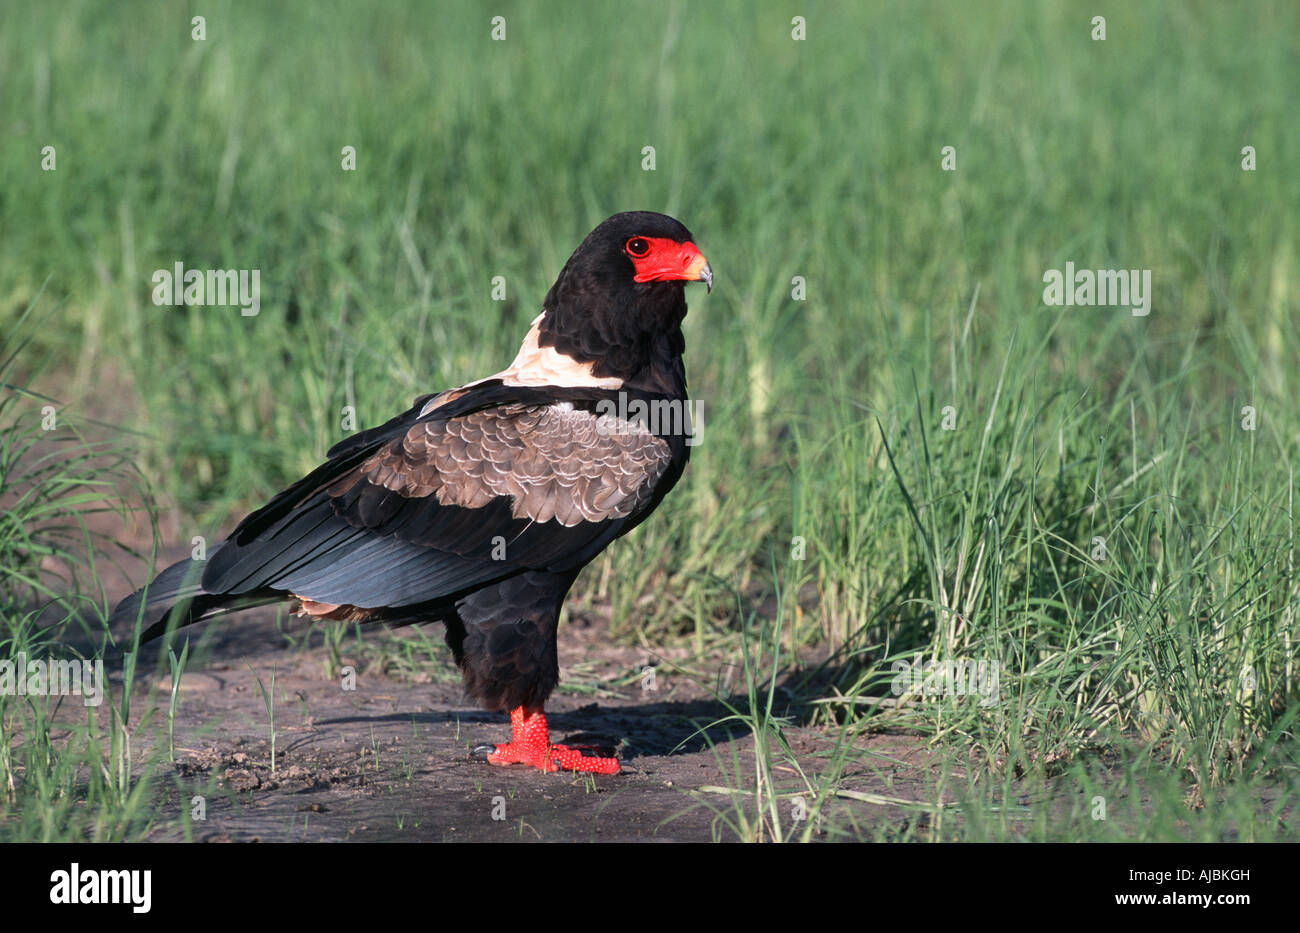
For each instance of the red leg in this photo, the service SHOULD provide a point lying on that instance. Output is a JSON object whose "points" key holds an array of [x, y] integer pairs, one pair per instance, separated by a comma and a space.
{"points": [[530, 744]]}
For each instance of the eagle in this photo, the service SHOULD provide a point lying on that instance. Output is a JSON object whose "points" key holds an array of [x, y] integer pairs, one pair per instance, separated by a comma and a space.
{"points": [[479, 506]]}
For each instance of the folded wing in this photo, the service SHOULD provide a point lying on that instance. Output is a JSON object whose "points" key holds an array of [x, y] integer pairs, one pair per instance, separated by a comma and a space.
{"points": [[449, 497]]}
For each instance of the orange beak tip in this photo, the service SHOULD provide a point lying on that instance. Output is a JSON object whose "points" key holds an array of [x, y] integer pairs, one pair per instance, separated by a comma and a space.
{"points": [[699, 270]]}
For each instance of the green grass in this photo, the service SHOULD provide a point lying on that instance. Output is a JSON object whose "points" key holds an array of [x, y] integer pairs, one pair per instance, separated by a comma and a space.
{"points": [[824, 417], [62, 777]]}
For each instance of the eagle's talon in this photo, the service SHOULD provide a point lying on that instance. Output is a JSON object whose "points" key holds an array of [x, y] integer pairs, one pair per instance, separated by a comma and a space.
{"points": [[530, 744]]}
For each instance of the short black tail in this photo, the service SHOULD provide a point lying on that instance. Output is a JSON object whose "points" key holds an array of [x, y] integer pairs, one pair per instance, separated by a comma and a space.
{"points": [[178, 591]]}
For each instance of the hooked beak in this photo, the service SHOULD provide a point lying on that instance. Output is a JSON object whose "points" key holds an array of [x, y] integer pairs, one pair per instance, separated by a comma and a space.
{"points": [[699, 270]]}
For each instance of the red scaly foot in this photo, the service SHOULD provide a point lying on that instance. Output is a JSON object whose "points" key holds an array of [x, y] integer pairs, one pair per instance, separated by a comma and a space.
{"points": [[530, 744]]}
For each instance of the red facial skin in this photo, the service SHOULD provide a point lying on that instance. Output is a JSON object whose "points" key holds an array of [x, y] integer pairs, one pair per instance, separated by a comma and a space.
{"points": [[530, 744], [665, 260]]}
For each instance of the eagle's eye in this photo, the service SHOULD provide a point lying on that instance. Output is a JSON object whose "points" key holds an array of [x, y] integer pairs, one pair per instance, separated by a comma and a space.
{"points": [[637, 246]]}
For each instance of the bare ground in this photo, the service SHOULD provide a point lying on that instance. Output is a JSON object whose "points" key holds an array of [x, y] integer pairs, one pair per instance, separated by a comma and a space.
{"points": [[388, 757], [390, 760]]}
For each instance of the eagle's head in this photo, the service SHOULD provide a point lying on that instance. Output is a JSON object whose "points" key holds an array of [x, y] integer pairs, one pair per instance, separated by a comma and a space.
{"points": [[620, 296]]}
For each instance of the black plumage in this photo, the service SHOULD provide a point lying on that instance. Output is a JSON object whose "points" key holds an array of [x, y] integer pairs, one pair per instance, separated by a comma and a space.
{"points": [[478, 506]]}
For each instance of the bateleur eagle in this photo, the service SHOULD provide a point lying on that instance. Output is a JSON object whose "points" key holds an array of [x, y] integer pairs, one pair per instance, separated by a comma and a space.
{"points": [[479, 506]]}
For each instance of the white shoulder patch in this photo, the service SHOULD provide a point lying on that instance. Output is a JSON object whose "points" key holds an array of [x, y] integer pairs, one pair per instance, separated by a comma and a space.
{"points": [[536, 365]]}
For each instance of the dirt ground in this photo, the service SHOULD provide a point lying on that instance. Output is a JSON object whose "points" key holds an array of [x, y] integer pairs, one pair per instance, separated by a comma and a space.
{"points": [[388, 757], [391, 758]]}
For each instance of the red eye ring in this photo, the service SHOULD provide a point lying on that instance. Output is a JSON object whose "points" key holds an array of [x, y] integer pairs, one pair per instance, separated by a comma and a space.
{"points": [[638, 247]]}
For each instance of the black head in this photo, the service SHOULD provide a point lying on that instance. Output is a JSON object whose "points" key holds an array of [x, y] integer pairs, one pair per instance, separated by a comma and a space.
{"points": [[620, 297]]}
